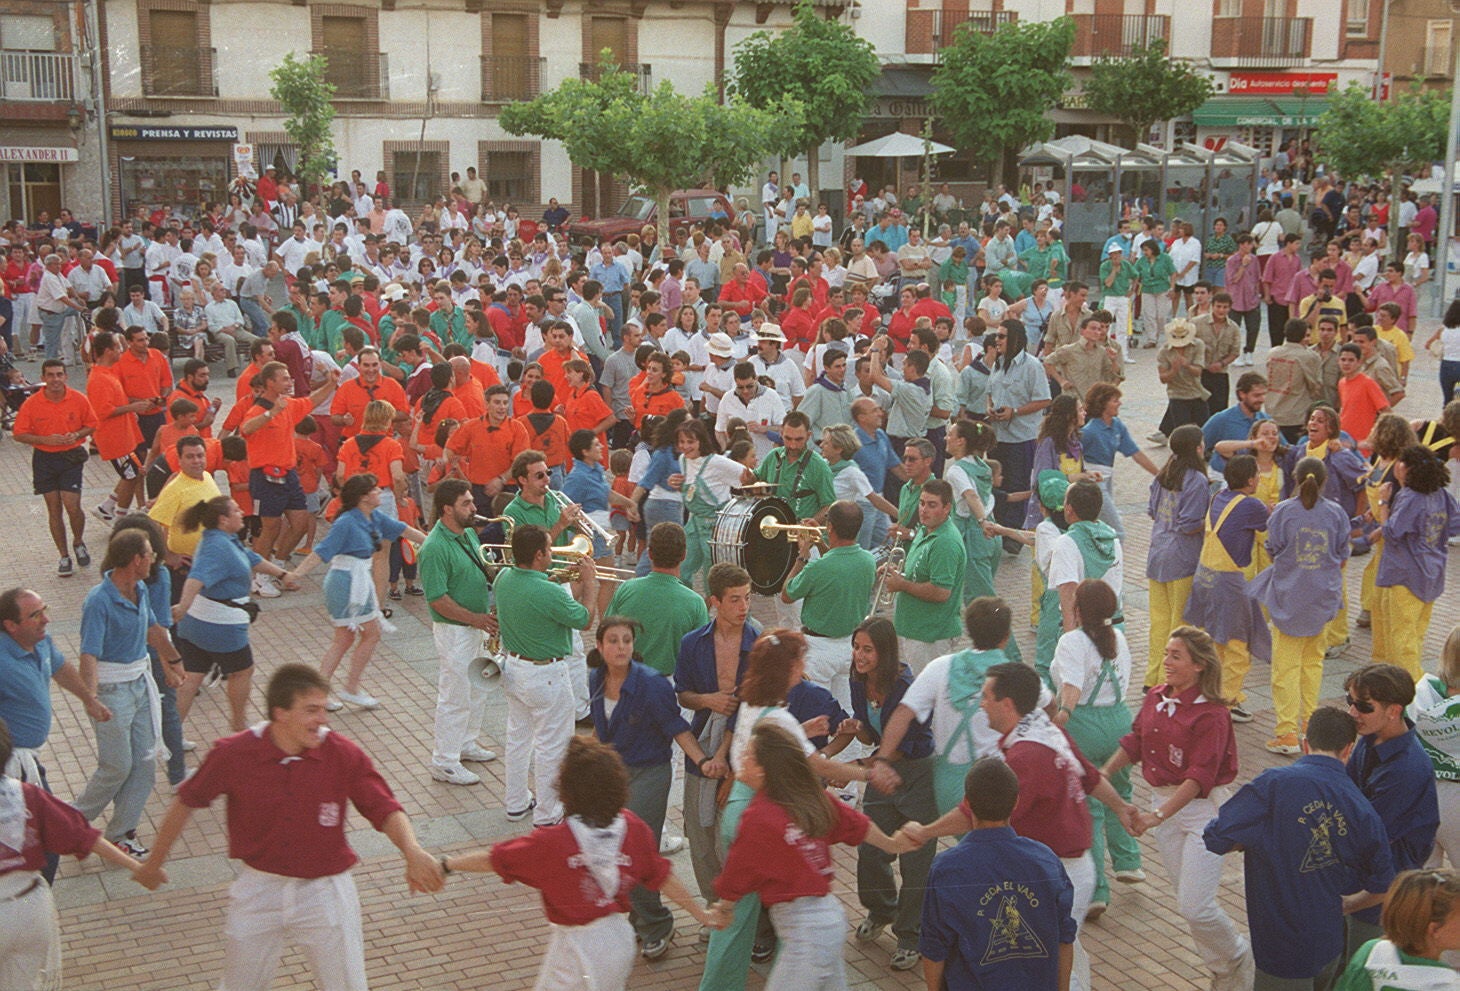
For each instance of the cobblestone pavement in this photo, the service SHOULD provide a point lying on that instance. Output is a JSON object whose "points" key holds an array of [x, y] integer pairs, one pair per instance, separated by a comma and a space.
{"points": [[480, 933]]}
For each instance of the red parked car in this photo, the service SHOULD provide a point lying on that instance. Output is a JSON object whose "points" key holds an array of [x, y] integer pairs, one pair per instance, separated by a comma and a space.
{"points": [[687, 207]]}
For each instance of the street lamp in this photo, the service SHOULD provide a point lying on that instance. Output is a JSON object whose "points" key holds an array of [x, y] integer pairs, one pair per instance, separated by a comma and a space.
{"points": [[1302, 91], [1447, 202]]}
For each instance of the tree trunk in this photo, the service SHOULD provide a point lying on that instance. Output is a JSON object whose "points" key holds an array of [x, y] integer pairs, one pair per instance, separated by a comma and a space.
{"points": [[661, 209], [1396, 196], [813, 177]]}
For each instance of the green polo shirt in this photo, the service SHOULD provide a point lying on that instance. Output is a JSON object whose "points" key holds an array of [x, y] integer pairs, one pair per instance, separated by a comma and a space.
{"points": [[816, 490], [666, 610], [1123, 279], [936, 556], [306, 324], [837, 587], [451, 328], [448, 563], [538, 616], [545, 516], [907, 502], [331, 334]]}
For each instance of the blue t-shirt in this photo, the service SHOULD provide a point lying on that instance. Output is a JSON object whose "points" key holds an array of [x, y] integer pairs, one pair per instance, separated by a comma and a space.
{"points": [[806, 700], [996, 909], [694, 670], [225, 567], [1310, 837], [1102, 442], [874, 457], [587, 485], [644, 722], [113, 630], [356, 534], [1399, 780], [25, 689], [1232, 423]]}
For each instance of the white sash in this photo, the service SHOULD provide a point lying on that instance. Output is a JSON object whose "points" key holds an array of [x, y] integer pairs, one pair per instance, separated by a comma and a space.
{"points": [[205, 610], [120, 674]]}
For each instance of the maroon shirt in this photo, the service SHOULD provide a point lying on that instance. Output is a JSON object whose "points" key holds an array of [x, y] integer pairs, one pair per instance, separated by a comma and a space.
{"points": [[1051, 806], [1194, 743], [51, 826], [286, 815], [774, 857]]}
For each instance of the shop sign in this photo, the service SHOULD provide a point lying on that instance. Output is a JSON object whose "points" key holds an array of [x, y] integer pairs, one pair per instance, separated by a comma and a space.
{"points": [[899, 107], [1278, 83], [13, 154], [149, 132]]}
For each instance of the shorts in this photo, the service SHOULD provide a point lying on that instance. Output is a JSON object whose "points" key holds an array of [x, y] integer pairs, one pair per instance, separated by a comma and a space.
{"points": [[273, 497], [129, 466], [196, 660], [53, 471], [314, 501]]}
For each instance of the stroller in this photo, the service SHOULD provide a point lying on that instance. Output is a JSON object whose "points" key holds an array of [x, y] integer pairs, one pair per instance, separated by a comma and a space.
{"points": [[16, 392]]}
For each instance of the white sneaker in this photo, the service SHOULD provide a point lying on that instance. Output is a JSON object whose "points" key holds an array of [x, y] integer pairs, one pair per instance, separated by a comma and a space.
{"points": [[189, 746], [264, 587], [360, 700], [454, 774], [333, 705], [670, 844], [477, 753]]}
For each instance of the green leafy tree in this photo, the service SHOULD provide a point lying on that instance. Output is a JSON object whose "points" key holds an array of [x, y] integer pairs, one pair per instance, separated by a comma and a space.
{"points": [[1360, 137], [660, 140], [994, 91], [829, 69], [1145, 87], [308, 99]]}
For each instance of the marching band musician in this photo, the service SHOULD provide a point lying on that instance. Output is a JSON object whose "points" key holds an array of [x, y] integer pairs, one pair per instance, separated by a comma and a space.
{"points": [[802, 477], [930, 589], [534, 505], [538, 618]]}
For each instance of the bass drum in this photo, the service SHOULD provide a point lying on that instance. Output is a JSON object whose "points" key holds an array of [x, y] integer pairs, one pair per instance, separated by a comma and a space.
{"points": [[736, 539]]}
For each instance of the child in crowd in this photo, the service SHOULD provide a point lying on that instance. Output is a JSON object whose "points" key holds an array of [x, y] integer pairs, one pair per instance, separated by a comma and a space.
{"points": [[314, 463], [627, 540]]}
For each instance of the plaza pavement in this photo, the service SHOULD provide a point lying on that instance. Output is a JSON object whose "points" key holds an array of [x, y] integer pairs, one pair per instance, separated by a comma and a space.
{"points": [[480, 933]]}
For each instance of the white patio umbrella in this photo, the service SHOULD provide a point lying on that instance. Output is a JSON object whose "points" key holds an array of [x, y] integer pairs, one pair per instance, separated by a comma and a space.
{"points": [[897, 145]]}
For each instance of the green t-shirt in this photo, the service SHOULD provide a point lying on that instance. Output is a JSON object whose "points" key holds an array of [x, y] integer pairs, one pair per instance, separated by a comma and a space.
{"points": [[815, 489], [331, 332], [1155, 276], [907, 503], [538, 616], [1123, 279], [666, 610], [448, 563], [545, 516], [451, 328], [307, 328], [836, 588], [1357, 977], [936, 556]]}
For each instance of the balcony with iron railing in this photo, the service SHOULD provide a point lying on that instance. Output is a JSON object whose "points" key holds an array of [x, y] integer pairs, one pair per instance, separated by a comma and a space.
{"points": [[357, 75], [38, 77], [592, 72], [1116, 35], [506, 78], [1260, 42], [928, 31], [179, 70]]}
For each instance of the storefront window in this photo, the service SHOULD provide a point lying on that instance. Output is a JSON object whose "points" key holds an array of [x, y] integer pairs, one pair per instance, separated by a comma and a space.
{"points": [[34, 187], [182, 186]]}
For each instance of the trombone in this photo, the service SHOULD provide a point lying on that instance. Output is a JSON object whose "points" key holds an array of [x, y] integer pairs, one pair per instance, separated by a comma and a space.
{"points": [[581, 519], [573, 554]]}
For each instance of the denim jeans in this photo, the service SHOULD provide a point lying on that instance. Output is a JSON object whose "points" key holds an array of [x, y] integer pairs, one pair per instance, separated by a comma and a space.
{"points": [[658, 511], [172, 732], [257, 318], [1449, 379], [124, 743], [649, 799], [51, 326]]}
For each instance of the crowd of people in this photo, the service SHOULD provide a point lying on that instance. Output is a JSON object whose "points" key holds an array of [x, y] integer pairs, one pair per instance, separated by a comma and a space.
{"points": [[541, 440]]}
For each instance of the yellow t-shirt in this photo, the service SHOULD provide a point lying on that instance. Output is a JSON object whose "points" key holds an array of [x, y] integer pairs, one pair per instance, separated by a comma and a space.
{"points": [[1402, 347], [179, 495]]}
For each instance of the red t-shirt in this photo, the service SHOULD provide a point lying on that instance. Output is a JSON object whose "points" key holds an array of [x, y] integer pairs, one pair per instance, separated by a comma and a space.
{"points": [[548, 860], [1194, 743], [742, 298], [770, 855], [1051, 806], [116, 436], [51, 826], [287, 815], [800, 330], [900, 328], [1359, 401], [42, 416]]}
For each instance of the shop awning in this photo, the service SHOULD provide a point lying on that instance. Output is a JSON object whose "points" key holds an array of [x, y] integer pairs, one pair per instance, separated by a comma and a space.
{"points": [[1253, 111]]}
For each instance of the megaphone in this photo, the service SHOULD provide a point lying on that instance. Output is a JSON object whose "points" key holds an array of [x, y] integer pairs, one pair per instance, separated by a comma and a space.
{"points": [[482, 671]]}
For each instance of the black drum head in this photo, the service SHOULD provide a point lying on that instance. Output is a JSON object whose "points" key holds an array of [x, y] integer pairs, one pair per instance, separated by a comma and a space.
{"points": [[769, 559]]}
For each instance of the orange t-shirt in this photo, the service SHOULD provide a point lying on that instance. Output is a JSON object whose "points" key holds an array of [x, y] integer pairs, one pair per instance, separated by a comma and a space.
{"points": [[585, 409], [552, 369], [624, 487], [40, 415], [144, 379], [272, 445], [201, 398], [314, 461], [552, 440], [488, 450], [117, 434], [472, 396], [521, 403], [238, 485], [167, 437], [244, 385], [373, 453], [451, 408], [212, 454], [351, 397], [485, 373], [652, 404]]}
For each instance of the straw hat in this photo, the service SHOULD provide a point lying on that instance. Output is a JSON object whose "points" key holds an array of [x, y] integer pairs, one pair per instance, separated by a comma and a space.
{"points": [[1180, 333]]}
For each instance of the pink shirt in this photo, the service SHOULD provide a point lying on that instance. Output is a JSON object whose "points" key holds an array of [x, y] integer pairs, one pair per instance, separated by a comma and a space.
{"points": [[1277, 277]]}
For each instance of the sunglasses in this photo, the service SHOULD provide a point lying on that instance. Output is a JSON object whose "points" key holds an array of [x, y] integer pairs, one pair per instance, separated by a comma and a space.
{"points": [[1001, 337], [1359, 705], [541, 474]]}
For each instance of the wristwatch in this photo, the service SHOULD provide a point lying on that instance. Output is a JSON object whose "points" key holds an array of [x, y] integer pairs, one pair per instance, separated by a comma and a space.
{"points": [[1159, 815]]}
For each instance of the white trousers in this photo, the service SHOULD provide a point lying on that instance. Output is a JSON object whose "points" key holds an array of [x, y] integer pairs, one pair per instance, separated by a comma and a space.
{"points": [[578, 668], [459, 705], [917, 653], [595, 957], [1081, 872], [1119, 307], [540, 710], [319, 915], [1196, 874], [829, 664], [30, 939], [812, 930]]}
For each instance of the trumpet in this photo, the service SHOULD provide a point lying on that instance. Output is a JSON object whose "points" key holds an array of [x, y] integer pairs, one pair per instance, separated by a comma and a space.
{"points": [[572, 555], [892, 564], [581, 519], [769, 528]]}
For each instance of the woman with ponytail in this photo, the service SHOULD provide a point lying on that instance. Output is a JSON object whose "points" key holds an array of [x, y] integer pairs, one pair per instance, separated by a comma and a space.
{"points": [[1307, 537], [1178, 504], [1091, 672], [968, 471]]}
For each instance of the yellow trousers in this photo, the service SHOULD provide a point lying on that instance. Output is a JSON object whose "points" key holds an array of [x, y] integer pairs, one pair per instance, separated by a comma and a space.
{"points": [[1336, 632], [1297, 678], [1400, 623], [1236, 662], [1168, 602], [1371, 571]]}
